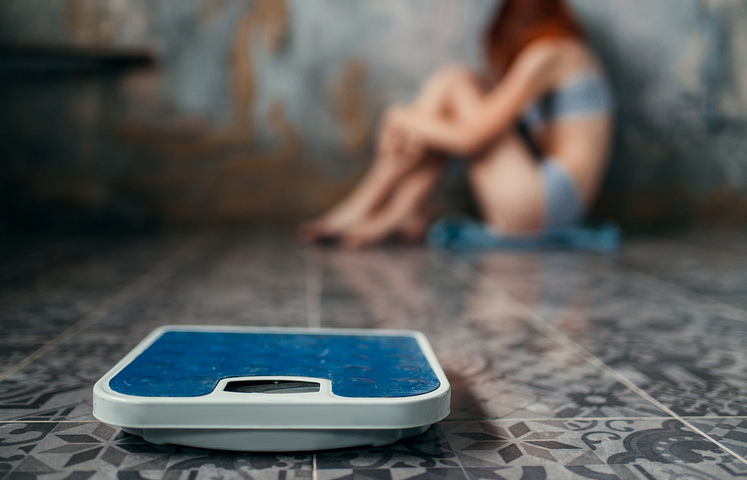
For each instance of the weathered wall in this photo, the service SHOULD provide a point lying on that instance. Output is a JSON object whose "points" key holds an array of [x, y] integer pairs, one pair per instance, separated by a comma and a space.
{"points": [[264, 109], [680, 72]]}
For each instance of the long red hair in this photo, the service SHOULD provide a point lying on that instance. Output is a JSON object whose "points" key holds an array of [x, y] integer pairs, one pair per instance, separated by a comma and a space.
{"points": [[520, 22]]}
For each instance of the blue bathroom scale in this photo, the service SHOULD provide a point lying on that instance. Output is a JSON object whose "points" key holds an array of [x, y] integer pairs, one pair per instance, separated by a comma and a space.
{"points": [[275, 389]]}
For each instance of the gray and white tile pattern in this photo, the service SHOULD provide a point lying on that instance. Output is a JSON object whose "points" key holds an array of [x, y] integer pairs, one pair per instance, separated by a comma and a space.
{"points": [[562, 365]]}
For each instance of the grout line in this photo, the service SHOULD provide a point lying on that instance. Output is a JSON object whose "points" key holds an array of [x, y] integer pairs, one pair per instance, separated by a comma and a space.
{"points": [[456, 454], [555, 333], [545, 419], [466, 420], [456, 457], [146, 281], [570, 419], [314, 271]]}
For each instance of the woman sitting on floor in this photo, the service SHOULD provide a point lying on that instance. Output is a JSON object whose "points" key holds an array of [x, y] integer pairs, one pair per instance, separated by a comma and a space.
{"points": [[547, 79]]}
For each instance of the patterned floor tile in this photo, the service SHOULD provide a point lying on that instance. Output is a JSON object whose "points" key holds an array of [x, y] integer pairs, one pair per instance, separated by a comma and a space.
{"points": [[210, 472], [524, 405], [392, 474], [499, 365], [638, 325], [17, 440], [656, 449], [524, 374], [192, 463], [518, 443], [58, 385], [550, 279], [48, 311], [557, 472], [592, 449], [15, 348], [731, 432], [709, 377], [93, 450], [48, 300], [716, 274], [253, 282], [389, 288], [429, 450]]}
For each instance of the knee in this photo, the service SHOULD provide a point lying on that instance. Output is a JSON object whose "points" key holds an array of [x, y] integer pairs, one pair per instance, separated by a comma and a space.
{"points": [[451, 91]]}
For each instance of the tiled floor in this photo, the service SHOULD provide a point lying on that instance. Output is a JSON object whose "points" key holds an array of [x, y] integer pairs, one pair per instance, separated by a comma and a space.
{"points": [[563, 365]]}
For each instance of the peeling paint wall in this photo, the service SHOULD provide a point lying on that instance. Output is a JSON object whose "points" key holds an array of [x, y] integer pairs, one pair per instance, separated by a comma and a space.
{"points": [[266, 109], [679, 72]]}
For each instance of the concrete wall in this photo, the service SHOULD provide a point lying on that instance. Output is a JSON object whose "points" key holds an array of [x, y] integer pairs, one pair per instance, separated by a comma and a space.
{"points": [[265, 109]]}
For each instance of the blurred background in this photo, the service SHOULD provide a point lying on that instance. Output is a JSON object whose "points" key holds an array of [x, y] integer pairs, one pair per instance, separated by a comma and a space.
{"points": [[137, 114]]}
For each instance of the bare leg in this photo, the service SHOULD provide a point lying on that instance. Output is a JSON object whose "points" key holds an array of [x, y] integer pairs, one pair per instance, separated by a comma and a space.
{"points": [[507, 186], [402, 213], [506, 182], [372, 190], [451, 92]]}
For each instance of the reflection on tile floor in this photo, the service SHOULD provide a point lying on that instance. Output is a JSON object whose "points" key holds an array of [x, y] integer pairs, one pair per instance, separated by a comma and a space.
{"points": [[563, 365]]}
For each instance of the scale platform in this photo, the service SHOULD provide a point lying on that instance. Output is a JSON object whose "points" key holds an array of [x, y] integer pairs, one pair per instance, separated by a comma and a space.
{"points": [[275, 389]]}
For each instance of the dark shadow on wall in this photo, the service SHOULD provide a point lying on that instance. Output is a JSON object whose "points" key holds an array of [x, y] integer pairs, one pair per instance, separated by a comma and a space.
{"points": [[665, 177], [61, 169]]}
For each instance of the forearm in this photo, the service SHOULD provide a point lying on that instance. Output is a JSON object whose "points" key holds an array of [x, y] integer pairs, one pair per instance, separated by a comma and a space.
{"points": [[497, 112], [464, 137]]}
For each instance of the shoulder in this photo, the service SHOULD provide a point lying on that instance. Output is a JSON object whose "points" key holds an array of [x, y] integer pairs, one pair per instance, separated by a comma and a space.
{"points": [[551, 58]]}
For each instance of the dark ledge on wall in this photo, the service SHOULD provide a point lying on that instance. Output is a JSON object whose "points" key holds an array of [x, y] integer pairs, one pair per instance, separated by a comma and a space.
{"points": [[42, 59]]}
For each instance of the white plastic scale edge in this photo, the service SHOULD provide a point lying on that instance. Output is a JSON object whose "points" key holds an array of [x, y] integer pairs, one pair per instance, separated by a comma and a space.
{"points": [[272, 423]]}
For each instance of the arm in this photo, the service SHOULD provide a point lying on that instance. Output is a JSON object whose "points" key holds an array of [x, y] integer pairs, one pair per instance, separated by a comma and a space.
{"points": [[530, 76]]}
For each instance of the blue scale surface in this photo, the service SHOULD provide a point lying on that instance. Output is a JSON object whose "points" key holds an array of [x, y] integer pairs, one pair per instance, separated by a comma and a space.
{"points": [[190, 364]]}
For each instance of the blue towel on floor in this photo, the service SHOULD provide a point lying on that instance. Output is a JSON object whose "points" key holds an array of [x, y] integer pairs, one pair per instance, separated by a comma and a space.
{"points": [[461, 234]]}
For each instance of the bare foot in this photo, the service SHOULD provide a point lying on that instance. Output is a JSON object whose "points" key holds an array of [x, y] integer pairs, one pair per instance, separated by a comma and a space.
{"points": [[410, 229], [363, 235], [319, 230], [413, 228], [353, 210], [335, 222]]}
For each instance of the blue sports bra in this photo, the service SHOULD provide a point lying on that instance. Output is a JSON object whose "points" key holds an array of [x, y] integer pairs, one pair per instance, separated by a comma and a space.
{"points": [[587, 94]]}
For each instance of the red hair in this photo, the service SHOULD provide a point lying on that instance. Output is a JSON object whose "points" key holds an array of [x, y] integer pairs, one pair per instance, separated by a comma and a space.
{"points": [[520, 22]]}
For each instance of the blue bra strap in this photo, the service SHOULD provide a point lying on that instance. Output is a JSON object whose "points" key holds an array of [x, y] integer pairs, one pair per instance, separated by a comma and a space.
{"points": [[586, 94]]}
